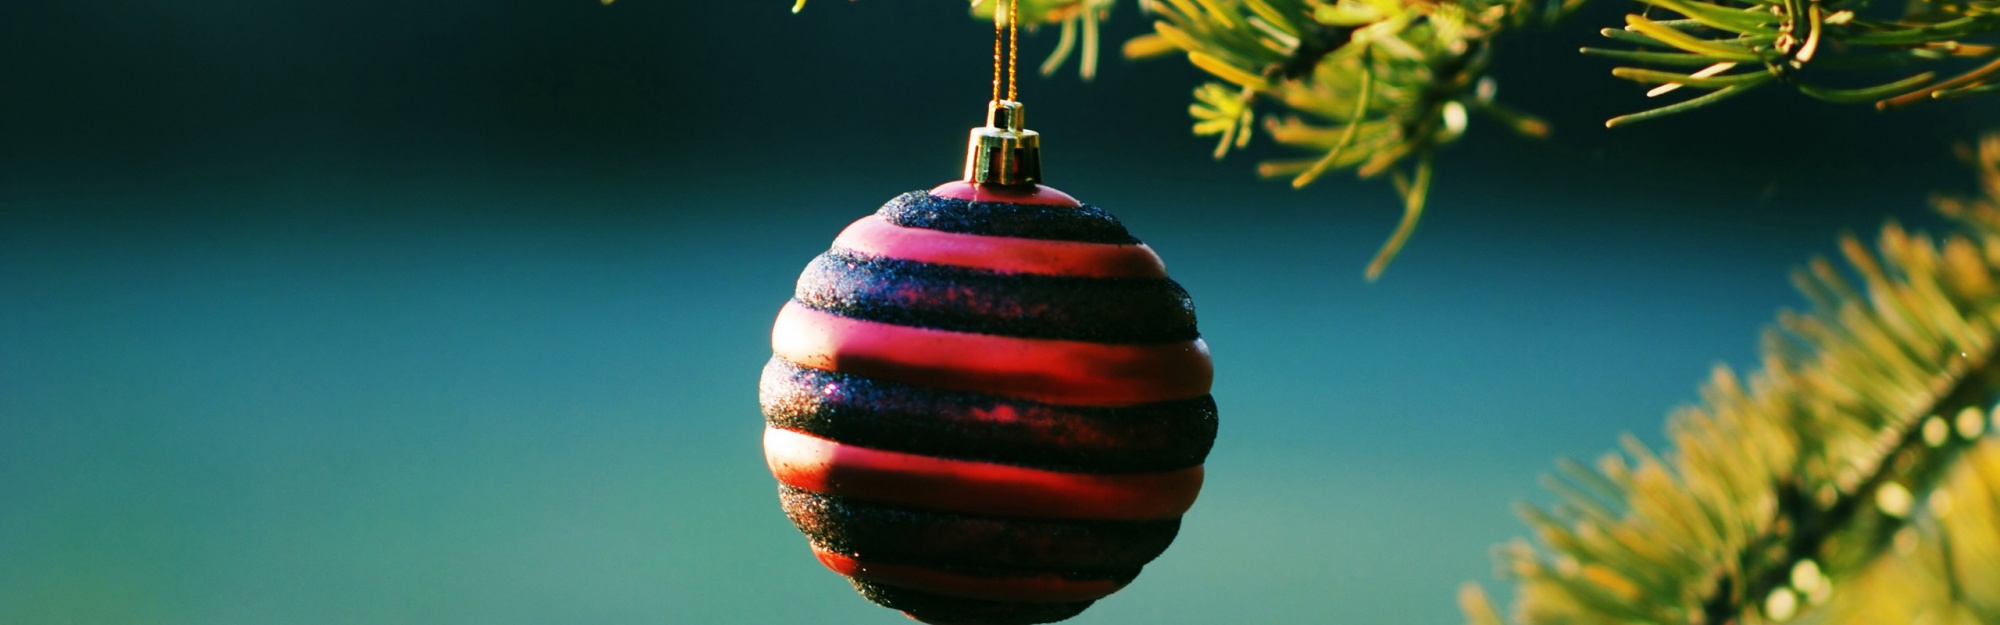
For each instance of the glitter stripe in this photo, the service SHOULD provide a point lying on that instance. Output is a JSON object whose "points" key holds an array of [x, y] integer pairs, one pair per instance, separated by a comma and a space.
{"points": [[977, 488], [1046, 370]]}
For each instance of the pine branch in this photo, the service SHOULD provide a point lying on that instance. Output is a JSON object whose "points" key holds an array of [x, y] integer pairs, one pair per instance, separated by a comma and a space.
{"points": [[1839, 459], [1375, 86], [1814, 46]]}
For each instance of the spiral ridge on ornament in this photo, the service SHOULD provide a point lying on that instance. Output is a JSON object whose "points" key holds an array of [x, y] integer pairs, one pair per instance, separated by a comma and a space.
{"points": [[944, 297], [1051, 222], [1049, 370], [875, 236], [880, 414], [903, 535], [986, 408]]}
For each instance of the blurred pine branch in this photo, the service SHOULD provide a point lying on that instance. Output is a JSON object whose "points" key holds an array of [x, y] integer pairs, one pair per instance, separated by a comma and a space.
{"points": [[1851, 480]]}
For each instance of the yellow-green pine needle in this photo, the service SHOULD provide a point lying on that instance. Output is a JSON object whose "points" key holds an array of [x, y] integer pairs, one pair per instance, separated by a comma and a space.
{"points": [[1686, 106], [1688, 42], [1147, 46], [1361, 102], [1065, 43], [1227, 72], [1867, 94], [1659, 77], [1413, 210]]}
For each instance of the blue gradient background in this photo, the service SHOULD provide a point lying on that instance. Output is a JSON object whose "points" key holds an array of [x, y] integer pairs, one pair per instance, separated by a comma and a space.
{"points": [[451, 312]]}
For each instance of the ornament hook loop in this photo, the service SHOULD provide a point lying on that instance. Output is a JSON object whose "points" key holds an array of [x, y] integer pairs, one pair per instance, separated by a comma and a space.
{"points": [[1004, 152]]}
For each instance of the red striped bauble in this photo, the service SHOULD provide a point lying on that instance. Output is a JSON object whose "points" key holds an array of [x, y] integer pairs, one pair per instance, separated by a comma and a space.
{"points": [[987, 405]]}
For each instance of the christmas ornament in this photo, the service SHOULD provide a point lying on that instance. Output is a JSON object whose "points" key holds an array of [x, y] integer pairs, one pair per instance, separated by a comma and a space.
{"points": [[987, 402]]}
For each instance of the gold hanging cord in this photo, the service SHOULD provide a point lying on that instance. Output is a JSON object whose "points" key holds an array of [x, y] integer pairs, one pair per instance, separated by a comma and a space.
{"points": [[1013, 45], [1008, 20], [1004, 152]]}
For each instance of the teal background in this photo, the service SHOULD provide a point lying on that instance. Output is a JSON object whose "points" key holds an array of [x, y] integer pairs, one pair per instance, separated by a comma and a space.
{"points": [[451, 311]]}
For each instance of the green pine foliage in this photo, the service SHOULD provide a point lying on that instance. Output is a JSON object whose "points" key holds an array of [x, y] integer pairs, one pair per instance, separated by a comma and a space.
{"points": [[1851, 480], [1373, 86], [1825, 50]]}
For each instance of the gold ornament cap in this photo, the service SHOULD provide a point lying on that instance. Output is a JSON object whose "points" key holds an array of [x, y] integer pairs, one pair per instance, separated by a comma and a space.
{"points": [[1003, 152]]}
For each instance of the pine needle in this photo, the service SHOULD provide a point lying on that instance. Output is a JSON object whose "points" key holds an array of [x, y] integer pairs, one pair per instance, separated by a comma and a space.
{"points": [[1688, 105], [1366, 93], [1414, 198]]}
